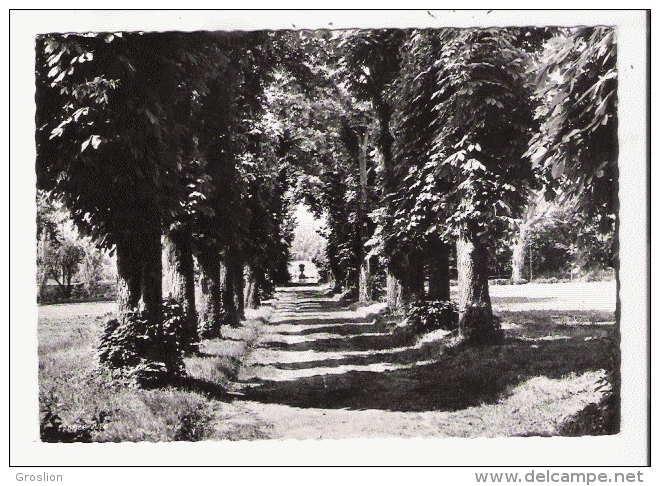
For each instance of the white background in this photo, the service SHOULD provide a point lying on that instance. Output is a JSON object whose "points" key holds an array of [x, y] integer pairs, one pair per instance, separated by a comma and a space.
{"points": [[627, 449]]}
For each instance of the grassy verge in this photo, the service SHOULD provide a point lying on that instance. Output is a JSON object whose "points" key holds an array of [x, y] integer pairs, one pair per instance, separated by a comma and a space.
{"points": [[549, 377], [79, 401]]}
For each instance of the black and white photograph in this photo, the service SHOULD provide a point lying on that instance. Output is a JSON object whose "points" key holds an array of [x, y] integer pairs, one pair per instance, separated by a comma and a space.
{"points": [[329, 232]]}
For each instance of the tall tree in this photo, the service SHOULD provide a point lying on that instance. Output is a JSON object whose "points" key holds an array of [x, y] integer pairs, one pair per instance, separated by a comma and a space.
{"points": [[577, 88], [370, 64], [60, 249], [472, 113], [110, 138]]}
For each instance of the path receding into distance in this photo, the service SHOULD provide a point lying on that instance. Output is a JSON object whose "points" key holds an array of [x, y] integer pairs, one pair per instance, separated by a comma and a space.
{"points": [[320, 370]]}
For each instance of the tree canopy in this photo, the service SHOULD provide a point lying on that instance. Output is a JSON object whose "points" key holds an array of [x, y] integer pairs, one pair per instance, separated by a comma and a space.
{"points": [[576, 88]]}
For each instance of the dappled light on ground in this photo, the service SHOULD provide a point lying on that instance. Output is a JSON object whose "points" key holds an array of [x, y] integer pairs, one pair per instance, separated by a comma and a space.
{"points": [[306, 366], [317, 355]]}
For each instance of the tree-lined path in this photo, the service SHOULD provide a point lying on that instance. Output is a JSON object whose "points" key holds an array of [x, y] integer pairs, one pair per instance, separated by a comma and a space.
{"points": [[479, 156]]}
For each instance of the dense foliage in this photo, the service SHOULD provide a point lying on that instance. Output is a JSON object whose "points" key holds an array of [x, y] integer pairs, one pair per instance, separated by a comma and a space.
{"points": [[148, 351], [433, 315], [576, 86]]}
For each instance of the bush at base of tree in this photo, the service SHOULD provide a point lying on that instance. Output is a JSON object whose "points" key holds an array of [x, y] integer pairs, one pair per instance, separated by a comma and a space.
{"points": [[146, 351], [433, 315], [481, 325]]}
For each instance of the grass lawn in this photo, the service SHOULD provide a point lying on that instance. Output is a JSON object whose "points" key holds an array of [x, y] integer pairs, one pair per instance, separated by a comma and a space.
{"points": [[94, 406]]}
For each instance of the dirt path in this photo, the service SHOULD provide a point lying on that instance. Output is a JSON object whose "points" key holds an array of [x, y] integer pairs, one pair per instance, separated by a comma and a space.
{"points": [[320, 370]]}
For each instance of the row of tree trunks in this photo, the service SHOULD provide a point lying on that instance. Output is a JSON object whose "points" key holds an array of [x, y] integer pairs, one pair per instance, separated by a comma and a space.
{"points": [[476, 321], [228, 286], [139, 281], [141, 278], [398, 297], [403, 292], [475, 311]]}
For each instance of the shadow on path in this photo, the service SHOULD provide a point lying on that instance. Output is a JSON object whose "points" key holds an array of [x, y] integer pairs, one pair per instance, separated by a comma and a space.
{"points": [[332, 360]]}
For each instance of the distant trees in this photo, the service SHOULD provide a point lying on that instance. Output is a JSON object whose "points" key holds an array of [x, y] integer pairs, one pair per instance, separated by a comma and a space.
{"points": [[559, 241], [59, 252], [538, 211], [62, 254], [308, 244]]}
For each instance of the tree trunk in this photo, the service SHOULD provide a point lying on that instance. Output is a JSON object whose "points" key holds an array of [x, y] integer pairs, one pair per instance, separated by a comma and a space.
{"points": [[211, 299], [438, 259], [365, 288], [333, 264], [61, 286], [252, 300], [67, 276], [394, 293], [239, 289], [518, 255], [179, 280], [152, 273], [231, 315], [128, 278], [476, 321], [364, 272], [413, 284], [517, 262]]}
